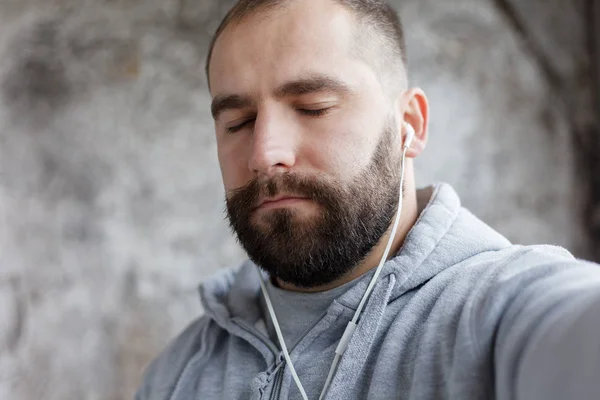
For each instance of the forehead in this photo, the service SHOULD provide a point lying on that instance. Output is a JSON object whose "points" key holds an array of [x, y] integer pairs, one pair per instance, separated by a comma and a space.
{"points": [[267, 49]]}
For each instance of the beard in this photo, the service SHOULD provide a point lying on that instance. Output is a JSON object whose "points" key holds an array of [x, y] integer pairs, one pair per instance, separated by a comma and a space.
{"points": [[349, 222]]}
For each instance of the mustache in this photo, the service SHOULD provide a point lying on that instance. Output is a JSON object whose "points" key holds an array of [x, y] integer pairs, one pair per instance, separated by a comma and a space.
{"points": [[313, 187]]}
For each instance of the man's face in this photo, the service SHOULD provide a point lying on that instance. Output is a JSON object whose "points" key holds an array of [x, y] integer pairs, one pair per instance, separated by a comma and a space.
{"points": [[307, 145]]}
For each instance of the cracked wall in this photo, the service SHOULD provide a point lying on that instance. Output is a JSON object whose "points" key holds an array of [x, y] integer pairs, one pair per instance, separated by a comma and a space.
{"points": [[110, 196]]}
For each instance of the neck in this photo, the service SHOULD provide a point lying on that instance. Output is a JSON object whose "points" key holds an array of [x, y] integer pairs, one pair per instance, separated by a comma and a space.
{"points": [[407, 220]]}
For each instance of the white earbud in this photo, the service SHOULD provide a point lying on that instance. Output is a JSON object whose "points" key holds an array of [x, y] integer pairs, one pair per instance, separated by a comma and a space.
{"points": [[410, 135]]}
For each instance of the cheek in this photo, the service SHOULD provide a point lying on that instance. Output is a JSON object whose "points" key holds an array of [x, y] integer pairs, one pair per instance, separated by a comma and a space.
{"points": [[345, 150], [234, 166]]}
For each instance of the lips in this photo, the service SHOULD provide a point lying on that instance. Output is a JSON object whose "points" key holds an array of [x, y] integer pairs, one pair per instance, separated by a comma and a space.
{"points": [[278, 200]]}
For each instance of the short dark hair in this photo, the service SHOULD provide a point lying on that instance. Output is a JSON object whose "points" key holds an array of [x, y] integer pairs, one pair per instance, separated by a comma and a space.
{"points": [[378, 23]]}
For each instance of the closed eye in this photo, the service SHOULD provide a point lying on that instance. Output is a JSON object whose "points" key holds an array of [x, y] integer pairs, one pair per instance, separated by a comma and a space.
{"points": [[312, 113], [239, 127], [315, 113]]}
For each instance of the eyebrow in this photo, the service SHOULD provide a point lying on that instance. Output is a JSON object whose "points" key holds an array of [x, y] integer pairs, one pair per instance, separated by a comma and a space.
{"points": [[299, 87], [229, 102], [313, 84]]}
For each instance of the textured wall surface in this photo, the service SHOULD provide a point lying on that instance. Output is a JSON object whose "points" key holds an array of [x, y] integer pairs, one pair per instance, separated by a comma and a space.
{"points": [[110, 195]]}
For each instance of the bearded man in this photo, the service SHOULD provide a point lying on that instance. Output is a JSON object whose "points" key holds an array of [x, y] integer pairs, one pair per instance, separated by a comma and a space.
{"points": [[358, 285]]}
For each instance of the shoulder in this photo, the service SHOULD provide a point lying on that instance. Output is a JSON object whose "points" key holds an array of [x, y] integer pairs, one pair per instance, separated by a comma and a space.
{"points": [[523, 276], [517, 281], [530, 263], [505, 272], [199, 337], [161, 376]]}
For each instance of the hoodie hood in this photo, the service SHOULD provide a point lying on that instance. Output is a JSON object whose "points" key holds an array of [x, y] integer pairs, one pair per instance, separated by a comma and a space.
{"points": [[444, 235]]}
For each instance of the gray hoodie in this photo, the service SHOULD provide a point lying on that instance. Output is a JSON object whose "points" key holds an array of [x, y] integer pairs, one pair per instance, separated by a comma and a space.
{"points": [[458, 313]]}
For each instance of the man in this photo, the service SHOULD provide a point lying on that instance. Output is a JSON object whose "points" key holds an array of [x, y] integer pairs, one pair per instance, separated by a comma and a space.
{"points": [[316, 127]]}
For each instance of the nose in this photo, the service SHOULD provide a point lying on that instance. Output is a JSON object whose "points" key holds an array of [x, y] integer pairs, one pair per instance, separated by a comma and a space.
{"points": [[273, 146]]}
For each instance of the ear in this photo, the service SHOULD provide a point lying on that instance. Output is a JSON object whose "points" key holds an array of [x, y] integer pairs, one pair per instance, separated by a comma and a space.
{"points": [[412, 108]]}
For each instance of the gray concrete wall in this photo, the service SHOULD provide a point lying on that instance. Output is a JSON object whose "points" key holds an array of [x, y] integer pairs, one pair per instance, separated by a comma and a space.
{"points": [[110, 196]]}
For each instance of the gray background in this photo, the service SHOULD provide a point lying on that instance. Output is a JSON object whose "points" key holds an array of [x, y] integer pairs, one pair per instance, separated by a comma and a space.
{"points": [[111, 206]]}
